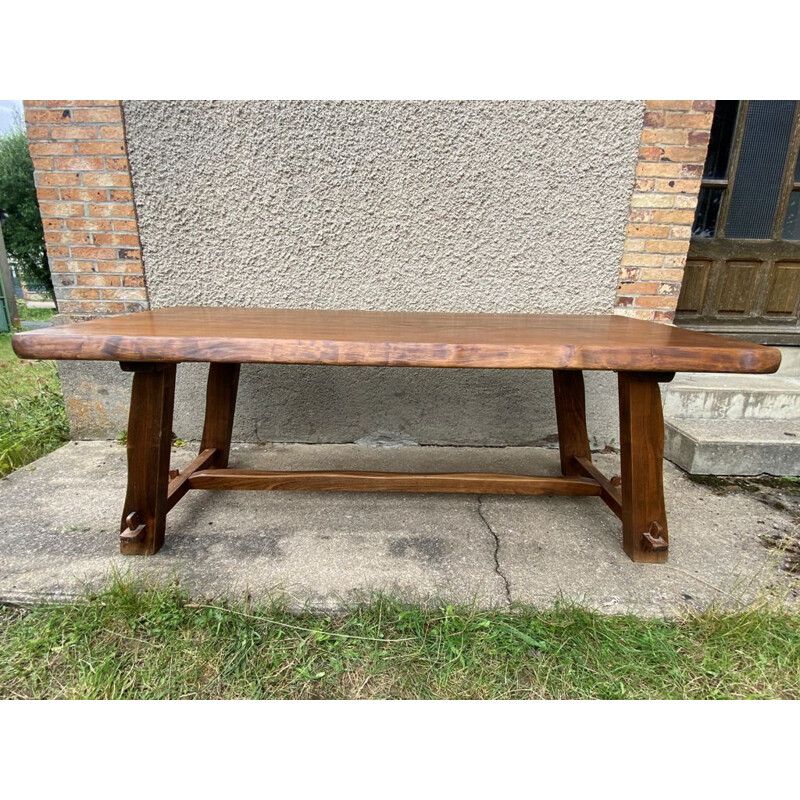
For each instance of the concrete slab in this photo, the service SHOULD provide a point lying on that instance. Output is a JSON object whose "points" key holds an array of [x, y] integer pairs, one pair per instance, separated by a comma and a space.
{"points": [[58, 535], [734, 446]]}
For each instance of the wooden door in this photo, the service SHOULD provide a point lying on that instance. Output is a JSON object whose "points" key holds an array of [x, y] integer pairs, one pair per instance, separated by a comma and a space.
{"points": [[743, 269]]}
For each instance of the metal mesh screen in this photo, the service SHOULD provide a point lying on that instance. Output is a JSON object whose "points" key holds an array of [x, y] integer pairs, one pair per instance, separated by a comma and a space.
{"points": [[760, 168]]}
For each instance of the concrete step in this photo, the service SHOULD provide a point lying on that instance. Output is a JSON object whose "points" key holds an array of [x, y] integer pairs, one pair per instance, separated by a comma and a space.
{"points": [[734, 447], [733, 397]]}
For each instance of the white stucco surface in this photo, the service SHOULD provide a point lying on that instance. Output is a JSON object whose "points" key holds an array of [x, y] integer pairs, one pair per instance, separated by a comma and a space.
{"points": [[434, 206]]}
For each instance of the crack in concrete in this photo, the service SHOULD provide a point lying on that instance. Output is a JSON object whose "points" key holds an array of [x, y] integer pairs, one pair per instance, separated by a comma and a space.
{"points": [[496, 553]]}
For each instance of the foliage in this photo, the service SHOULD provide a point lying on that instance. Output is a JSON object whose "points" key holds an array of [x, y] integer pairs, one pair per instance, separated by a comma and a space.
{"points": [[22, 230], [33, 420], [34, 314], [139, 641]]}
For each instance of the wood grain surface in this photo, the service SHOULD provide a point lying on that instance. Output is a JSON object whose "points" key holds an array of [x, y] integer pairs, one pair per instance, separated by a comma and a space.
{"points": [[353, 481], [375, 338]]}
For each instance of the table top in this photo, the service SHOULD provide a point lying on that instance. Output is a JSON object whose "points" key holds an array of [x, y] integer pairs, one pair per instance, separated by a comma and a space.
{"points": [[401, 339]]}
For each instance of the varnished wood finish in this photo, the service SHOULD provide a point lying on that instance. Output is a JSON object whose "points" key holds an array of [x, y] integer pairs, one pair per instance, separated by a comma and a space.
{"points": [[151, 343], [573, 440], [223, 383], [641, 452], [179, 484], [149, 441], [373, 338], [336, 481], [609, 493]]}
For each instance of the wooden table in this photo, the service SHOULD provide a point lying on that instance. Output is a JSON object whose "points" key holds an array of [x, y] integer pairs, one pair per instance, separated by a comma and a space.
{"points": [[151, 344]]}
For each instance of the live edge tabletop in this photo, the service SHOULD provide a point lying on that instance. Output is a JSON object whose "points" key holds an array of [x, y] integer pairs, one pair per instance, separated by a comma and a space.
{"points": [[150, 345], [374, 338]]}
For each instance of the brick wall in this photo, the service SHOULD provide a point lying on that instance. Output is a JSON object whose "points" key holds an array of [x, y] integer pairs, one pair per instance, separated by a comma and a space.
{"points": [[672, 152], [83, 184], [86, 200]]}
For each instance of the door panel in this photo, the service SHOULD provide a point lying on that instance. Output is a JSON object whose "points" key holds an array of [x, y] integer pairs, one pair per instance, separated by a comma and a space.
{"points": [[783, 297], [742, 273]]}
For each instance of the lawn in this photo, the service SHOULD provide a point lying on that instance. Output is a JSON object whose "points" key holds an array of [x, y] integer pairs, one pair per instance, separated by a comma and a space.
{"points": [[33, 420], [134, 642]]}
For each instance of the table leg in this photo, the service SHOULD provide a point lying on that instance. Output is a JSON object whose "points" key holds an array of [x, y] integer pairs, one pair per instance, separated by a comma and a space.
{"points": [[223, 383], [149, 440], [573, 440], [644, 519]]}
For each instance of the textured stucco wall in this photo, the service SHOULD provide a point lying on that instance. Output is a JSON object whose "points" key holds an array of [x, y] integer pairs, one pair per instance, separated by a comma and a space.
{"points": [[435, 206]]}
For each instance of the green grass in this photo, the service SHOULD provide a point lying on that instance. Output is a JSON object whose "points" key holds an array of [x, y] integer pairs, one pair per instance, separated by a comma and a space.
{"points": [[34, 314], [33, 419], [150, 642]]}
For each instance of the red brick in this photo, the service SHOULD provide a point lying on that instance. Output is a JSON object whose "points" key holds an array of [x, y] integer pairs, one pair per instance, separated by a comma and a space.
{"points": [[703, 105], [128, 267], [668, 105], [681, 216], [674, 120], [112, 132], [101, 148], [52, 148], [650, 153], [641, 287], [699, 137], [691, 155], [658, 169], [74, 132], [97, 114], [85, 294], [662, 136], [648, 231], [57, 179], [49, 117], [124, 293], [677, 186], [112, 210], [124, 225], [94, 252], [118, 239], [35, 132], [47, 193], [656, 302], [96, 279], [86, 195], [81, 164], [121, 195], [117, 164], [662, 275], [66, 237], [106, 179], [61, 209], [653, 119], [89, 224], [81, 103], [42, 163], [665, 246]]}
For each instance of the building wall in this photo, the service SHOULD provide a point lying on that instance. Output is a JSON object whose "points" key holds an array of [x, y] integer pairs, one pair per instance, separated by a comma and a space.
{"points": [[672, 153], [453, 206]]}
